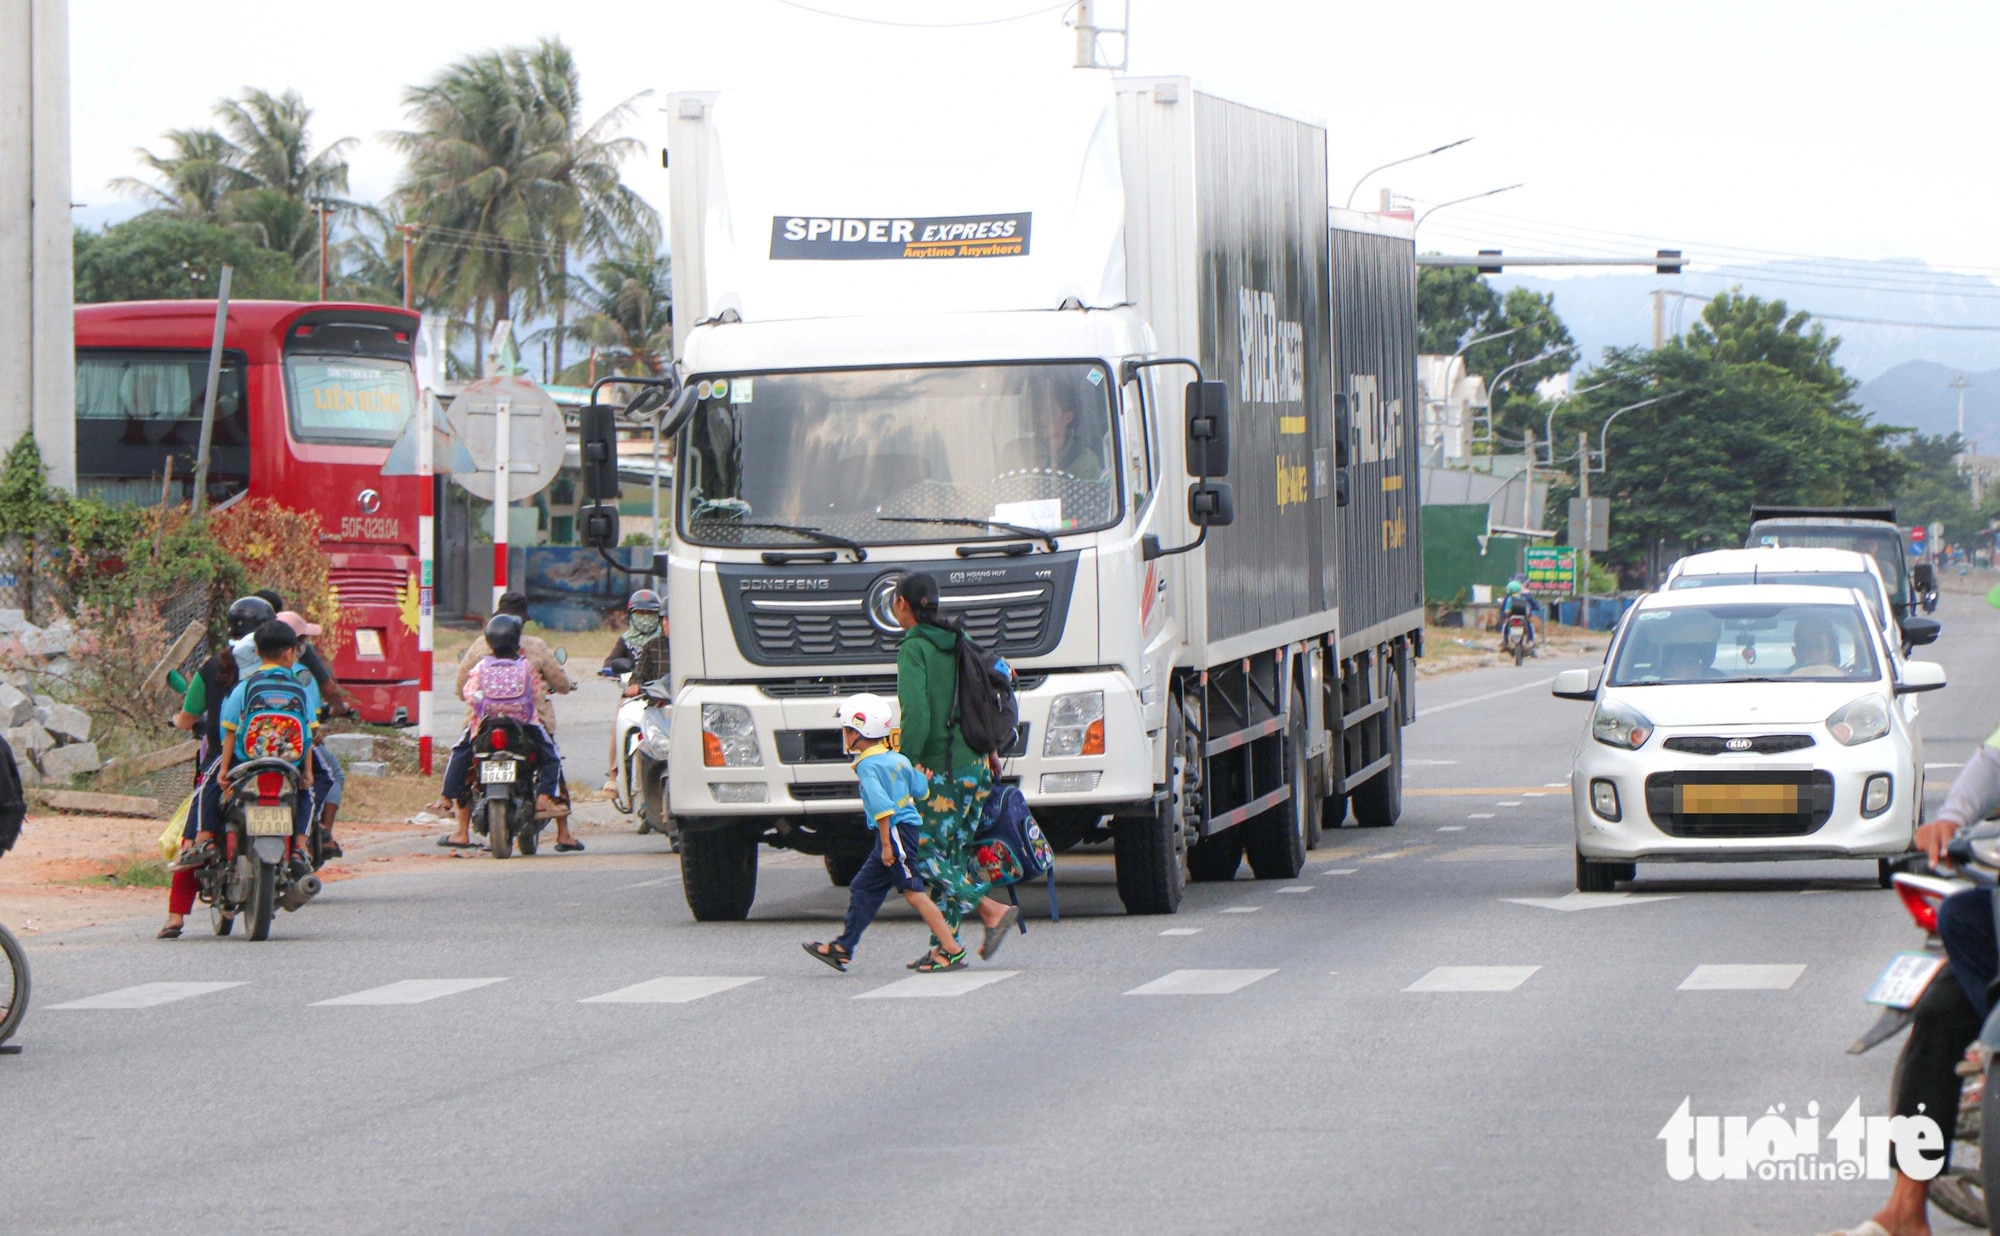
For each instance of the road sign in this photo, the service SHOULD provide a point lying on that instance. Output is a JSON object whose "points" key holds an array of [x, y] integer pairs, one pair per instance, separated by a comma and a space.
{"points": [[536, 438], [1598, 520], [1551, 568]]}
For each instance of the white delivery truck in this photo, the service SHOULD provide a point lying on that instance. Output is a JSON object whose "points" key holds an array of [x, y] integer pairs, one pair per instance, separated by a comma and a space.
{"points": [[1020, 343]]}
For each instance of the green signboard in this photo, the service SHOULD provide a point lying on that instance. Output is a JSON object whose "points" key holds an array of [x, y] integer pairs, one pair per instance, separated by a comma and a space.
{"points": [[1551, 568]]}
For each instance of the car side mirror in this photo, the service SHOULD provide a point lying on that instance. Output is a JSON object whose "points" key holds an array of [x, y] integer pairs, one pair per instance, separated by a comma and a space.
{"points": [[177, 682], [1920, 676], [1211, 504], [1918, 631], [1577, 684], [597, 446], [1207, 428], [597, 526]]}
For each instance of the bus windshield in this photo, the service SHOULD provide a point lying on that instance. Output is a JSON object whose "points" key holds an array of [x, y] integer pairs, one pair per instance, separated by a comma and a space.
{"points": [[360, 400]]}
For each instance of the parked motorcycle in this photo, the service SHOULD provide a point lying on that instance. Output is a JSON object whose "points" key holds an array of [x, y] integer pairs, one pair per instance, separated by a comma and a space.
{"points": [[504, 807], [644, 727], [1518, 637], [255, 876], [1960, 1189]]}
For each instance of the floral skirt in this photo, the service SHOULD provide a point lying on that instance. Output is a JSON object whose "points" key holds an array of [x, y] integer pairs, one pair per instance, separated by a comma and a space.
{"points": [[951, 816]]}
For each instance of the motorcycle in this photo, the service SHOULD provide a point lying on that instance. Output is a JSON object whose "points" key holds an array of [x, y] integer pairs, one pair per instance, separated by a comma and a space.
{"points": [[1960, 1189], [644, 727], [1517, 637], [504, 807], [255, 876]]}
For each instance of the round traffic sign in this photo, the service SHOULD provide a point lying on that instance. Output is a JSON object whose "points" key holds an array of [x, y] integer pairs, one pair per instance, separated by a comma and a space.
{"points": [[536, 438]]}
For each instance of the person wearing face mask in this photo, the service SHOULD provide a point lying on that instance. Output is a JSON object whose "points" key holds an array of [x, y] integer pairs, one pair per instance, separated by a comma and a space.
{"points": [[642, 654]]}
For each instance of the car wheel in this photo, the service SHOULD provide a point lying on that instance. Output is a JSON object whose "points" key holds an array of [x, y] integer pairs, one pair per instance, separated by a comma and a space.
{"points": [[1593, 877]]}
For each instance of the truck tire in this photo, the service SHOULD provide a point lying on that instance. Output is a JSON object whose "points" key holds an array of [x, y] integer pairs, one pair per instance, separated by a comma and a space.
{"points": [[843, 865], [1215, 860], [1276, 841], [1378, 801], [719, 873], [1152, 862]]}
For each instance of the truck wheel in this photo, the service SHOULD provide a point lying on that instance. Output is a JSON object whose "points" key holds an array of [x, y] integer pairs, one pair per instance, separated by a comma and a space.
{"points": [[719, 873], [1378, 801], [842, 866], [1151, 856], [1276, 841], [1215, 860]]}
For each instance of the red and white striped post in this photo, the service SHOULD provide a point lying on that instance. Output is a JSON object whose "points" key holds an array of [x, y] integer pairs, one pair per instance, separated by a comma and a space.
{"points": [[426, 553], [502, 441]]}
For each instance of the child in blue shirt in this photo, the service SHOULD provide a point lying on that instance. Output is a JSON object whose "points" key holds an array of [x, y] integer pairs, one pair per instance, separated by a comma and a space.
{"points": [[890, 788]]}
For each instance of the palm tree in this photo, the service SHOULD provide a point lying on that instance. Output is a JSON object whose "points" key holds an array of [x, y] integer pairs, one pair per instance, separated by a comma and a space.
{"points": [[627, 312], [199, 171], [274, 147]]}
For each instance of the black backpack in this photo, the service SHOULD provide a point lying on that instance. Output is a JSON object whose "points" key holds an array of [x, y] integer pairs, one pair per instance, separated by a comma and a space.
{"points": [[982, 700]]}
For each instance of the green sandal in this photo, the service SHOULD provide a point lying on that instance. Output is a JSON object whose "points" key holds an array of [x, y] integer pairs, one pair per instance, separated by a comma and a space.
{"points": [[938, 962]]}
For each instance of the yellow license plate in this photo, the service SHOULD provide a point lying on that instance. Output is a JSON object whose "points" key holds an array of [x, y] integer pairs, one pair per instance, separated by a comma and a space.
{"points": [[1739, 799], [268, 821]]}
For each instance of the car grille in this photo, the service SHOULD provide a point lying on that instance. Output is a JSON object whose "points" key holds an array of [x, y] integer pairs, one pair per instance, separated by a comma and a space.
{"points": [[1761, 744], [367, 585], [1814, 796]]}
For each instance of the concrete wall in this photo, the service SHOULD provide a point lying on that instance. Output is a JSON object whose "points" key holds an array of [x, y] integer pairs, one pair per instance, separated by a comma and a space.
{"points": [[37, 336]]}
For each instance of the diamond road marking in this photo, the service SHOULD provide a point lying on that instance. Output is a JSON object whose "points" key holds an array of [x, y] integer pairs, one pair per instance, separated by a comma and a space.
{"points": [[145, 995], [676, 990], [1241, 909], [1741, 978], [1296, 888], [1182, 931], [1200, 982], [1589, 901], [1340, 871], [1452, 828], [410, 991], [950, 983], [1473, 978]]}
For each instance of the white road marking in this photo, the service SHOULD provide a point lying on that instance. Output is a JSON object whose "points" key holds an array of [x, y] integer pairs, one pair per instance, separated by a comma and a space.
{"points": [[1589, 901], [145, 995], [1340, 871], [1473, 978], [1490, 695], [1480, 815], [672, 879], [950, 983], [1534, 794], [1741, 978], [410, 991], [1241, 909], [1556, 785], [1944, 766], [1428, 763], [1200, 982], [1514, 803], [1451, 828], [675, 990], [1182, 931], [1296, 888]]}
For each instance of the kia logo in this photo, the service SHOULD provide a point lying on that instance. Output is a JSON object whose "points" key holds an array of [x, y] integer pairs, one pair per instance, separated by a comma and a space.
{"points": [[369, 501], [1738, 744], [881, 604]]}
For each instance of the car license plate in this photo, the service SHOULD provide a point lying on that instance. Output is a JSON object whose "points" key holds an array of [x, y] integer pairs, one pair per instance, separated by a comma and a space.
{"points": [[1739, 799], [496, 771], [1906, 978], [268, 821]]}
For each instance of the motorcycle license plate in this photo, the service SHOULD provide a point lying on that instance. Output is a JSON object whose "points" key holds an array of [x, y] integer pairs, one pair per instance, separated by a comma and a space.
{"points": [[268, 821], [1905, 979], [496, 771]]}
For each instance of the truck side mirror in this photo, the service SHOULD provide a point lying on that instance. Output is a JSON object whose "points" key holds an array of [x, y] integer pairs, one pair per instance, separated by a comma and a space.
{"points": [[1923, 577], [1211, 504], [597, 526], [1207, 428], [1341, 427], [597, 444]]}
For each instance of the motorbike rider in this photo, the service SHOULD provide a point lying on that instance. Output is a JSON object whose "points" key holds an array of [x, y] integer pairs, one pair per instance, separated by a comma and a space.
{"points": [[645, 653], [539, 654], [503, 638], [1949, 1015], [201, 706], [1519, 601]]}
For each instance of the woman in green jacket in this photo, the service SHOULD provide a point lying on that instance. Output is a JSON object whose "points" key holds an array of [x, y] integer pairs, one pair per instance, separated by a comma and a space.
{"points": [[926, 680]]}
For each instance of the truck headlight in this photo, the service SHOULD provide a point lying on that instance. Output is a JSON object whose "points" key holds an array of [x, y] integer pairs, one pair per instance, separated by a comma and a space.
{"points": [[1876, 794], [1076, 725], [729, 737], [1615, 725], [1864, 720]]}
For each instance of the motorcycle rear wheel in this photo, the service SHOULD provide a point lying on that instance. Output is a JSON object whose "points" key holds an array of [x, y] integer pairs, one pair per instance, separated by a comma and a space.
{"points": [[1960, 1194], [499, 842], [263, 903], [13, 985]]}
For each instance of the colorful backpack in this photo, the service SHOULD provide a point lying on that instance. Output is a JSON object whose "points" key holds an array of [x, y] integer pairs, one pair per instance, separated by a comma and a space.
{"points": [[1009, 847], [506, 689], [277, 717]]}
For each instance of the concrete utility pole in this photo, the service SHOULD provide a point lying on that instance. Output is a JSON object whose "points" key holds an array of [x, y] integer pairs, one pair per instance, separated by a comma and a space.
{"points": [[1659, 318], [1086, 34], [1583, 492], [1959, 384], [409, 231], [37, 323], [322, 208]]}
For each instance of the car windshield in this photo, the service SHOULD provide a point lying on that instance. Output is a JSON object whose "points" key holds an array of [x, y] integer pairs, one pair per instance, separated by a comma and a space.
{"points": [[899, 455], [1880, 543], [1861, 581], [1678, 644]]}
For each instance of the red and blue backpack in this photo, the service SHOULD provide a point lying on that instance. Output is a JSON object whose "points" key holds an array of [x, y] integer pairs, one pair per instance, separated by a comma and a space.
{"points": [[277, 717]]}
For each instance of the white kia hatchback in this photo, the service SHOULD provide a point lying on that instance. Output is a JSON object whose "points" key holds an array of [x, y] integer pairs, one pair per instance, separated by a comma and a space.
{"points": [[1746, 723]]}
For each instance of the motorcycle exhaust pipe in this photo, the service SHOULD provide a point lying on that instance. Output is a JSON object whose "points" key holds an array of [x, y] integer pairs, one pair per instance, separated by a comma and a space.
{"points": [[303, 890]]}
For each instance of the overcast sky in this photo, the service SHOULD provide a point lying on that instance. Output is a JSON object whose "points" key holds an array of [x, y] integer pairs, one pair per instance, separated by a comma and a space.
{"points": [[1848, 130]]}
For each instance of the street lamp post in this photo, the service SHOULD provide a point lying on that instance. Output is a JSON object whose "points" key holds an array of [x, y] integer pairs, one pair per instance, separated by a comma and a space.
{"points": [[1470, 197], [1398, 163], [1583, 471], [1549, 425]]}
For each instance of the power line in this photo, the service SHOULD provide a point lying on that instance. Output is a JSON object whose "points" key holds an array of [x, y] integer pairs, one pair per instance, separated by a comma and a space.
{"points": [[926, 25], [1835, 317]]}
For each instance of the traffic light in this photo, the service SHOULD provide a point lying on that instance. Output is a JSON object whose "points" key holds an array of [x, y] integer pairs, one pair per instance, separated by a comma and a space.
{"points": [[1670, 261]]}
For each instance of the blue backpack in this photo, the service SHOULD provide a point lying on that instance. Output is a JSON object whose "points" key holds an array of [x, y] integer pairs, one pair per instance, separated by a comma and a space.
{"points": [[1009, 847], [277, 717]]}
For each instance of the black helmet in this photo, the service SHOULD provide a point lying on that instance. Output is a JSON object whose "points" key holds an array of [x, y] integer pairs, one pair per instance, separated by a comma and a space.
{"points": [[246, 614], [644, 601], [503, 635]]}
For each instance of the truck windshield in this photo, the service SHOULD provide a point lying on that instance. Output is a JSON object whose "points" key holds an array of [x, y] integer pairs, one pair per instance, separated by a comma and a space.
{"points": [[862, 453], [1882, 543], [1684, 644]]}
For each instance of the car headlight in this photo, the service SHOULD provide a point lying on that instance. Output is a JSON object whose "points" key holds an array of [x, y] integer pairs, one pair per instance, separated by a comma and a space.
{"points": [[655, 738], [1076, 725], [1615, 725], [729, 737], [1864, 720]]}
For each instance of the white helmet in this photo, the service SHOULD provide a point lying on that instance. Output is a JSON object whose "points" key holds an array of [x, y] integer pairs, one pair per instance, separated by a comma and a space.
{"points": [[870, 716]]}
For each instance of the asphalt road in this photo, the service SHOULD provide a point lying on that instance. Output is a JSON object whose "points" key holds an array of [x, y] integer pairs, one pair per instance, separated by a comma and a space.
{"points": [[553, 1045]]}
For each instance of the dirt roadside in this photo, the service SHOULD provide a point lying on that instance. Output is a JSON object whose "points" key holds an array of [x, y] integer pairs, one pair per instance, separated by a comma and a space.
{"points": [[1450, 649]]}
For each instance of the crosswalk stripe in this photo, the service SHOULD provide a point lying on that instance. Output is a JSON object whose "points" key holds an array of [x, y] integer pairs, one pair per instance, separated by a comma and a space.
{"points": [[1741, 978], [410, 991], [145, 995], [1473, 978], [1182, 931], [1296, 888], [950, 983], [1240, 909], [1200, 982], [672, 990]]}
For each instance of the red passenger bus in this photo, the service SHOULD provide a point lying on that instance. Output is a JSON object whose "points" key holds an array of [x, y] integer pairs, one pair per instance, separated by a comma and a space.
{"points": [[312, 397]]}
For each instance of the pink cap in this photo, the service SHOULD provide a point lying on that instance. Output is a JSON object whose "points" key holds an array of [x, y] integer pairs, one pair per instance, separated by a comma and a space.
{"points": [[297, 623]]}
